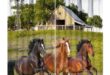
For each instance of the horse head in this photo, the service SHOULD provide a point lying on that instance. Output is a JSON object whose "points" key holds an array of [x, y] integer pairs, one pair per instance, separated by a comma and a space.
{"points": [[64, 44], [37, 47], [86, 47]]}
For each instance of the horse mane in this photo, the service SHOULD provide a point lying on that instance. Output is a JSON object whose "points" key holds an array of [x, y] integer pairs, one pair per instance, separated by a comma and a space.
{"points": [[79, 45], [32, 43]]}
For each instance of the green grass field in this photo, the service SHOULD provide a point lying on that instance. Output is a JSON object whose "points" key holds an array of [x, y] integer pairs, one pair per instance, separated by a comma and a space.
{"points": [[18, 42]]}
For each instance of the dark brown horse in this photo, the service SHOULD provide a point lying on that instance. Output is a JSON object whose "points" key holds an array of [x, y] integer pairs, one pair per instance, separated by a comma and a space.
{"points": [[55, 63], [29, 65], [81, 62]]}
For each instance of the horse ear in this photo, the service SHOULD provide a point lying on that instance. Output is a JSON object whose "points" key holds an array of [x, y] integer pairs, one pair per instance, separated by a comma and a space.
{"points": [[42, 40], [90, 41], [63, 38]]}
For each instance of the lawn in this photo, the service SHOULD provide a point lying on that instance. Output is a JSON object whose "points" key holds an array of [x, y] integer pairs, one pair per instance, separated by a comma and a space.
{"points": [[18, 42]]}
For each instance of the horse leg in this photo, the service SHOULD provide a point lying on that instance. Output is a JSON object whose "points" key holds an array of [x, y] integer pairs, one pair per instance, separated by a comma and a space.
{"points": [[65, 73], [94, 69], [74, 74], [89, 72], [47, 72], [79, 73], [71, 74], [41, 73], [57, 73], [11, 65]]}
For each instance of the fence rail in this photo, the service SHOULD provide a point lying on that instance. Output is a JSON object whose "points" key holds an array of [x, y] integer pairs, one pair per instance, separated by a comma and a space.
{"points": [[67, 27]]}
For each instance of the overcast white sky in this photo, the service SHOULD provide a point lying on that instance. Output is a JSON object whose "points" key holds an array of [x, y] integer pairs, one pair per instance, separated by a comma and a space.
{"points": [[97, 6]]}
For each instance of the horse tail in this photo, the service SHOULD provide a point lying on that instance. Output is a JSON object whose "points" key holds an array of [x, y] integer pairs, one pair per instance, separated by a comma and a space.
{"points": [[11, 64]]}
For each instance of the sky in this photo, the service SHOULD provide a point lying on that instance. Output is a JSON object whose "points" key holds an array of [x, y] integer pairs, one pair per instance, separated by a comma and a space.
{"points": [[97, 6]]}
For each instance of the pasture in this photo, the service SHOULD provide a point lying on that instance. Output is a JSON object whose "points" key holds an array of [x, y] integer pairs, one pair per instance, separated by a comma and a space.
{"points": [[18, 42]]}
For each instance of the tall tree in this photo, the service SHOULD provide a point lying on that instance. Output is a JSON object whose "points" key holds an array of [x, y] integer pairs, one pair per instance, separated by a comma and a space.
{"points": [[27, 16], [95, 21], [11, 22], [44, 9], [82, 15]]}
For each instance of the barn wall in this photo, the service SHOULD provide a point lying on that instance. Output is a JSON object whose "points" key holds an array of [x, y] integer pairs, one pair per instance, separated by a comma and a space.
{"points": [[61, 15]]}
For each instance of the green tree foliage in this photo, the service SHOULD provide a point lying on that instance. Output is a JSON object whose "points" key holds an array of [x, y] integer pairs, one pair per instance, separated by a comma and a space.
{"points": [[74, 8], [41, 12], [59, 2], [31, 14], [82, 15], [27, 16], [95, 21], [44, 9], [11, 22]]}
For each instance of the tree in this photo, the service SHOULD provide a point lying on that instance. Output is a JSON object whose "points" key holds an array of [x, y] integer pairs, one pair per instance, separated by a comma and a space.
{"points": [[74, 8], [59, 2], [90, 21], [44, 9], [11, 22], [27, 16], [82, 15], [95, 21]]}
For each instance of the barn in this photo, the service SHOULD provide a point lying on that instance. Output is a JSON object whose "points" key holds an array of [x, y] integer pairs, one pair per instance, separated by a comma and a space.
{"points": [[65, 18]]}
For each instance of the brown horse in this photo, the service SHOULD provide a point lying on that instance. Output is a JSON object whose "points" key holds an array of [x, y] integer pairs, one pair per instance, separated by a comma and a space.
{"points": [[81, 62], [29, 65], [56, 63]]}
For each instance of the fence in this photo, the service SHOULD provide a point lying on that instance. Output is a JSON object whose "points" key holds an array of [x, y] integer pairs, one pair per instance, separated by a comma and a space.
{"points": [[67, 27], [57, 27]]}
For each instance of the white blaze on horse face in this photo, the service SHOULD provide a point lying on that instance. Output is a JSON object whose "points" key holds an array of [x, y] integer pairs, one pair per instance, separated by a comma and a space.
{"points": [[68, 48], [42, 46]]}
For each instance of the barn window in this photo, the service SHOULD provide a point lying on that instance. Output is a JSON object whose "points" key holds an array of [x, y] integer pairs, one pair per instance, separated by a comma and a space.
{"points": [[60, 22], [59, 13]]}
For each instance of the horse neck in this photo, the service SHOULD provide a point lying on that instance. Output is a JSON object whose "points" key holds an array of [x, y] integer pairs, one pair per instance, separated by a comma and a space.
{"points": [[62, 53], [82, 54], [35, 54], [65, 54]]}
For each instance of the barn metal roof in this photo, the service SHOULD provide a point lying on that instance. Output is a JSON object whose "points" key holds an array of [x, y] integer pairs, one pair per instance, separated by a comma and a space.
{"points": [[75, 17]]}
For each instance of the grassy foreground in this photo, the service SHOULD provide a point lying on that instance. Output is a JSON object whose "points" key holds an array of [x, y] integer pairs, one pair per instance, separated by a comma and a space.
{"points": [[18, 42]]}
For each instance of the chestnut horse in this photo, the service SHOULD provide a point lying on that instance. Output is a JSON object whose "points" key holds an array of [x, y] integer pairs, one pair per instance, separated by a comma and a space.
{"points": [[81, 62], [55, 63], [29, 65]]}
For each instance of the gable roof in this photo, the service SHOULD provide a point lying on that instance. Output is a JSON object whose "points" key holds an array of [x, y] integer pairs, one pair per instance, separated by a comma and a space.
{"points": [[75, 17]]}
